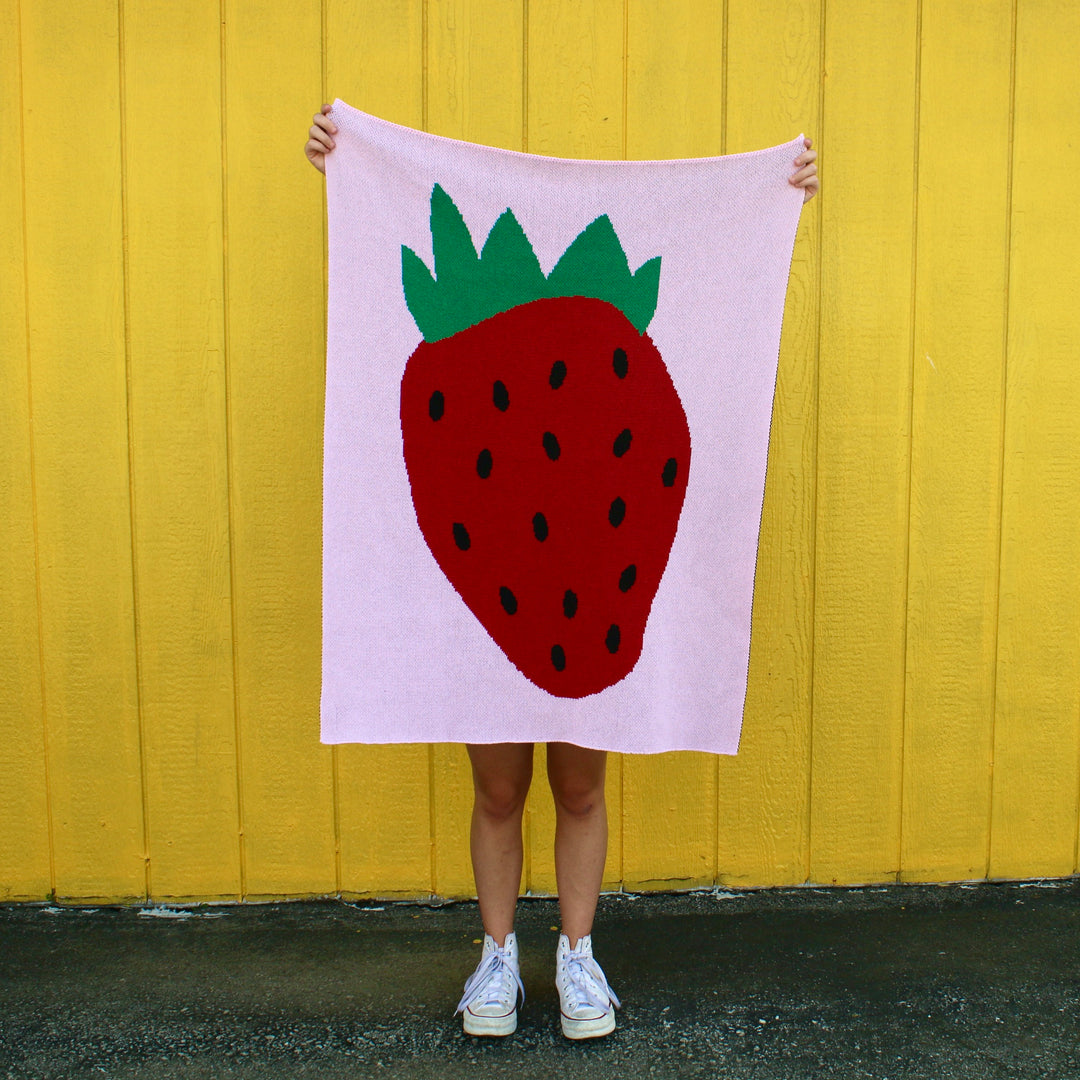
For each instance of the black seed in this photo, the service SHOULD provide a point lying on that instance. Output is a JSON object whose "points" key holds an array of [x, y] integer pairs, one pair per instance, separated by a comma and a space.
{"points": [[551, 446], [509, 600], [617, 512], [501, 396], [483, 464], [569, 603], [558, 657], [670, 469], [461, 536], [540, 527], [612, 639], [627, 578], [622, 443], [620, 363], [436, 406], [558, 373]]}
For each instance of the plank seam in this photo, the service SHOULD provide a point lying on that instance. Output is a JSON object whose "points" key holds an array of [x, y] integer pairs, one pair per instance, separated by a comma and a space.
{"points": [[229, 509], [625, 75], [622, 820], [424, 65], [1009, 163], [132, 515], [433, 854], [1004, 426], [335, 803], [525, 76], [49, 825], [722, 150], [625, 126], [815, 524], [910, 435], [724, 81]]}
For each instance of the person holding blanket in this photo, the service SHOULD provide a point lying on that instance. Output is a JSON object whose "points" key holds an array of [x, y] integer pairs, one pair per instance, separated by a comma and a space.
{"points": [[502, 773]]}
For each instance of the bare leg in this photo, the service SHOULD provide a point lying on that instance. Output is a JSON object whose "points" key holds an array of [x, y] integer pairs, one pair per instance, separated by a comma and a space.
{"points": [[576, 776], [502, 773]]}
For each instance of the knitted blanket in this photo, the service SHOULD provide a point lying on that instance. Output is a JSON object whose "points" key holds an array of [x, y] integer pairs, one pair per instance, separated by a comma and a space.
{"points": [[549, 388]]}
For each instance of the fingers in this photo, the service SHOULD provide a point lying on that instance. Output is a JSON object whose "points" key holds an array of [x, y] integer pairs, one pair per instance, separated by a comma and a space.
{"points": [[322, 120], [806, 177], [323, 129], [320, 138]]}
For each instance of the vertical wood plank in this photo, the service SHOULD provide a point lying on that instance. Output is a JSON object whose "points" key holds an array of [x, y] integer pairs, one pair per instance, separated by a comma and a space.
{"points": [[473, 92], [177, 387], [674, 79], [474, 71], [24, 822], [1036, 737], [375, 57], [763, 821], [863, 441], [956, 439], [275, 346], [575, 91], [374, 61], [673, 109], [75, 301], [575, 99]]}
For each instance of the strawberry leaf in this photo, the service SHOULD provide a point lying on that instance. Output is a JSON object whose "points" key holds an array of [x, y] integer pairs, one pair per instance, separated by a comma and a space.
{"points": [[511, 269], [468, 288], [595, 265], [424, 296], [451, 244], [641, 303]]}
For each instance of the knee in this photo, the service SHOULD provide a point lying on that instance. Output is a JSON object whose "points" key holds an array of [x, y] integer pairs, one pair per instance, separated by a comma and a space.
{"points": [[578, 797], [500, 798]]}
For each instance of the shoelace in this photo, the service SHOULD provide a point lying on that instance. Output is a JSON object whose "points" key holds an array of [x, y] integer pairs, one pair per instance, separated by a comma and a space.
{"points": [[588, 983], [489, 978]]}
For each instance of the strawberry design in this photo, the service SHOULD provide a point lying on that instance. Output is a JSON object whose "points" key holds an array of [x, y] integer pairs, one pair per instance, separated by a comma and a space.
{"points": [[545, 443]]}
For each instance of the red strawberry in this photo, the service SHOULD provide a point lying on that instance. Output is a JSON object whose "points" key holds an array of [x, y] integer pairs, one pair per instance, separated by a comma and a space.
{"points": [[548, 453]]}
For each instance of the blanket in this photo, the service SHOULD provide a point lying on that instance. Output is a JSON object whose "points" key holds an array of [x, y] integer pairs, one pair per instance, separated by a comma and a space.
{"points": [[549, 389]]}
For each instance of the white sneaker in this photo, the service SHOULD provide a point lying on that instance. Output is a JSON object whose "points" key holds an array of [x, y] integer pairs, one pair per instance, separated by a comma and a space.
{"points": [[491, 992], [587, 1002]]}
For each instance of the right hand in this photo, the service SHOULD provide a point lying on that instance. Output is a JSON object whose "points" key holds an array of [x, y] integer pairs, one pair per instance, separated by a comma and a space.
{"points": [[321, 140]]}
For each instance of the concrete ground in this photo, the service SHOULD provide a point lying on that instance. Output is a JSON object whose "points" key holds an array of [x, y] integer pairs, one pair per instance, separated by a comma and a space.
{"points": [[950, 982]]}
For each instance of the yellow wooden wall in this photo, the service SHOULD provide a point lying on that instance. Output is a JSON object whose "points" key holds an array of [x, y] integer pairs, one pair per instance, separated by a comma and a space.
{"points": [[914, 704]]}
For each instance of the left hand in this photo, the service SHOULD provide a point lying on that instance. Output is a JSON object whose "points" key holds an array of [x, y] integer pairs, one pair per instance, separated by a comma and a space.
{"points": [[807, 177]]}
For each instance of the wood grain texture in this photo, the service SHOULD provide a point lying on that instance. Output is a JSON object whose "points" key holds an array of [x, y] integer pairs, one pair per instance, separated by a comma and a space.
{"points": [[914, 701], [674, 79], [25, 871], [864, 407], [1036, 736], [474, 71], [375, 57], [574, 109], [75, 315], [474, 84], [673, 109], [575, 79], [386, 806], [180, 476], [763, 813], [275, 344], [958, 372]]}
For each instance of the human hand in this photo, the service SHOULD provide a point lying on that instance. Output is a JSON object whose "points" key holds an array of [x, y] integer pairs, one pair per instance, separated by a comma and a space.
{"points": [[807, 177], [321, 141]]}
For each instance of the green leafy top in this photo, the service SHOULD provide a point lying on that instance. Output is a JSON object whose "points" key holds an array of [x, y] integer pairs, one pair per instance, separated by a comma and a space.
{"points": [[468, 288]]}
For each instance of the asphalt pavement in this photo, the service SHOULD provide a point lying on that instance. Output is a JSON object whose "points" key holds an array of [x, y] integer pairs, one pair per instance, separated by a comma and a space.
{"points": [[937, 982]]}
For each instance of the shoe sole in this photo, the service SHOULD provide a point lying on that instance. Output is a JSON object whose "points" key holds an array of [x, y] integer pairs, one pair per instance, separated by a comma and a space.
{"points": [[588, 1029], [489, 1025]]}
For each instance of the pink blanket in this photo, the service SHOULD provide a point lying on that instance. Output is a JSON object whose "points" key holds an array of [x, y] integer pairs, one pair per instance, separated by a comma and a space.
{"points": [[548, 395]]}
